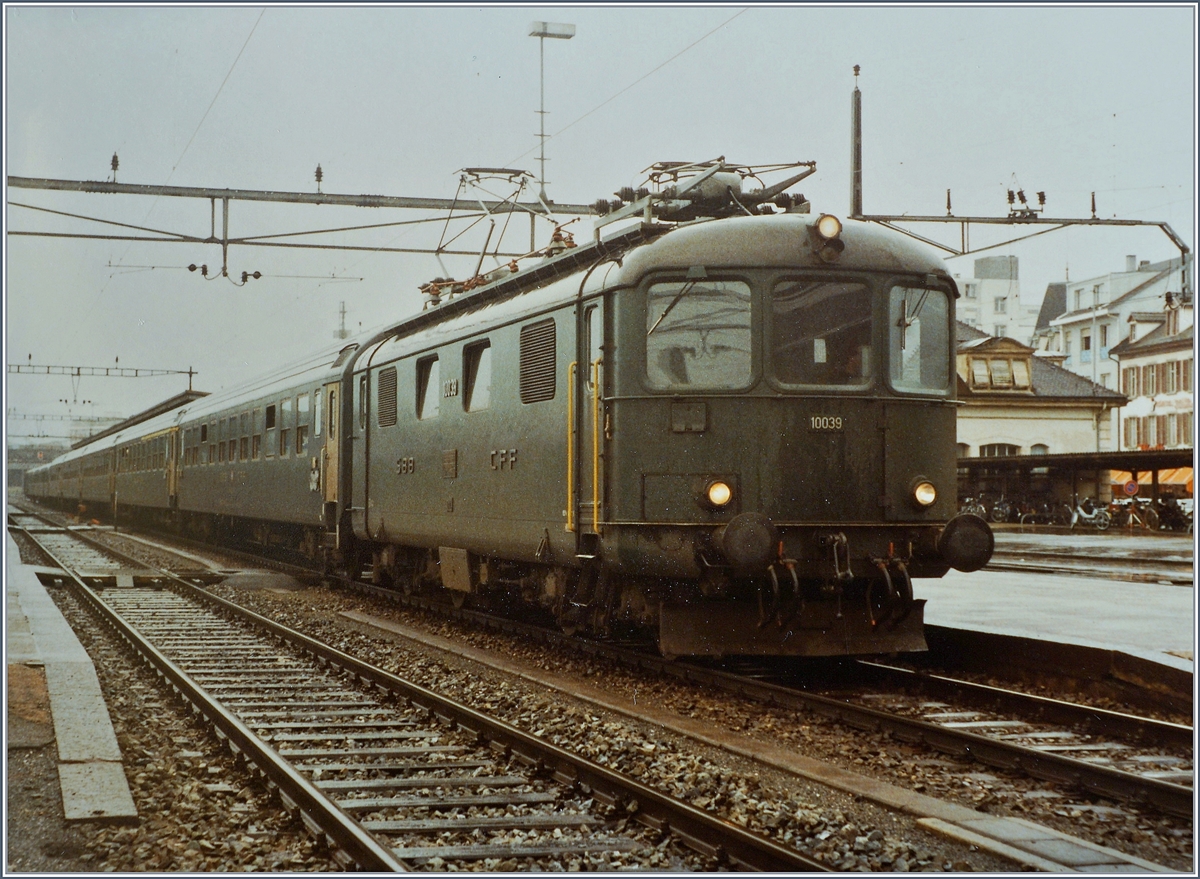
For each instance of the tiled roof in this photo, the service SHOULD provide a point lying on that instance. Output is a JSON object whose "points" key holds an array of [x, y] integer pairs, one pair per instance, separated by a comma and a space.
{"points": [[1048, 379]]}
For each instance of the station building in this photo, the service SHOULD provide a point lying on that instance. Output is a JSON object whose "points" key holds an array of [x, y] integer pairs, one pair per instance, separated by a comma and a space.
{"points": [[1014, 403]]}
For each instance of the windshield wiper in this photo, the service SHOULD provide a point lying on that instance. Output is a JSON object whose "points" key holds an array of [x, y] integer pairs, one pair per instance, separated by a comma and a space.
{"points": [[682, 290]]}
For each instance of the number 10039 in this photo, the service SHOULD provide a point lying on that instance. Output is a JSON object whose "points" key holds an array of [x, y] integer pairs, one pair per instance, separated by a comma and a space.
{"points": [[825, 422]]}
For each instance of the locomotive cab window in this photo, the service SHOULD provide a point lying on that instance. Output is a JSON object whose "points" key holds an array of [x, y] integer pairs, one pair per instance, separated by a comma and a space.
{"points": [[821, 332], [477, 376], [428, 388], [698, 335], [919, 339]]}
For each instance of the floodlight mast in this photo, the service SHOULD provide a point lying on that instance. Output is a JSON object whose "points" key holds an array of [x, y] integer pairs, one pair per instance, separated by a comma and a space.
{"points": [[555, 31]]}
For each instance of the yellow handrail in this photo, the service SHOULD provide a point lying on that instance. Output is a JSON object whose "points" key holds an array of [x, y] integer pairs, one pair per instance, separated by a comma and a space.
{"points": [[596, 444], [571, 445]]}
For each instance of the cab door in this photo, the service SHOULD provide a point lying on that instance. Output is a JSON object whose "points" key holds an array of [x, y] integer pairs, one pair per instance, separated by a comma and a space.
{"points": [[587, 382], [329, 453]]}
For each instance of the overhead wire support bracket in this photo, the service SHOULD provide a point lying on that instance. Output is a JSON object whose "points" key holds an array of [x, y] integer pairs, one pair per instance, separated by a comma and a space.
{"points": [[109, 371]]}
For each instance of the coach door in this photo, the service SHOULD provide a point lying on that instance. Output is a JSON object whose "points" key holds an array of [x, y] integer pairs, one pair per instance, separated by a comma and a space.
{"points": [[587, 441], [173, 463], [329, 455]]}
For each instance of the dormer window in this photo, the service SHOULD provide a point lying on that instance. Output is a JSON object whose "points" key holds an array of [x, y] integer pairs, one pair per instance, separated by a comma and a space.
{"points": [[1000, 373]]}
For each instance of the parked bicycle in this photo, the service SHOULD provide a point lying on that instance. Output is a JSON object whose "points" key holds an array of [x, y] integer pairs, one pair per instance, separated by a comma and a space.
{"points": [[1090, 513], [975, 507], [1046, 513], [1135, 513], [1004, 510], [1172, 517]]}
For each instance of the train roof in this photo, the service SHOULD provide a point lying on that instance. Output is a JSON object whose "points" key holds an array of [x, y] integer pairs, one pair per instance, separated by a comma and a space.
{"points": [[312, 370], [780, 240]]}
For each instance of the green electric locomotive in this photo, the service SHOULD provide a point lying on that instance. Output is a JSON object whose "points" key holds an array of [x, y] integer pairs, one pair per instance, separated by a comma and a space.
{"points": [[731, 425]]}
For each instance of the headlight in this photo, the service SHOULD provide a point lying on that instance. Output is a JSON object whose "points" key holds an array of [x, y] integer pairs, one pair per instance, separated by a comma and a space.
{"points": [[924, 494], [718, 494], [824, 236], [829, 226]]}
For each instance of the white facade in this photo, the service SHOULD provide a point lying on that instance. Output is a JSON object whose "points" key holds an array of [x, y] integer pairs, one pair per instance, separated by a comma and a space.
{"points": [[991, 301], [1012, 404], [1098, 311], [1157, 375]]}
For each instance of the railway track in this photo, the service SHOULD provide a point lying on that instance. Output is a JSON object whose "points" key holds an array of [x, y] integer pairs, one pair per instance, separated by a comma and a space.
{"points": [[1106, 753], [1110, 754], [391, 775]]}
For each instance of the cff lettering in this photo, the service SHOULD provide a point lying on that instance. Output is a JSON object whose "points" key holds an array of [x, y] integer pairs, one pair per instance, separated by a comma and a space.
{"points": [[504, 459]]}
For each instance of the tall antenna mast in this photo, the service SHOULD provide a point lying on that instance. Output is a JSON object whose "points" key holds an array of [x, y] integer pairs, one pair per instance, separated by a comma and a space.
{"points": [[856, 204]]}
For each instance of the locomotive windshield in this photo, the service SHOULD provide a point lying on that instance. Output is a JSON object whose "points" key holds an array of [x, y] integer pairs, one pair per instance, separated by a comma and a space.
{"points": [[919, 335], [821, 332], [698, 335]]}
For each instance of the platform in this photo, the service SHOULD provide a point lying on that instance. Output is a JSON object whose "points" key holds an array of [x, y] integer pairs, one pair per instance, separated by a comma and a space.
{"points": [[91, 773], [1149, 620]]}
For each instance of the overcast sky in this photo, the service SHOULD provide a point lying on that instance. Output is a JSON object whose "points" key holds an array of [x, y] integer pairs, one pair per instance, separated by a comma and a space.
{"points": [[395, 100]]}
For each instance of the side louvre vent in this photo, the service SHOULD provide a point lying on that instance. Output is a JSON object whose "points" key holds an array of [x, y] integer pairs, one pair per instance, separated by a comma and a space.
{"points": [[537, 361], [386, 404]]}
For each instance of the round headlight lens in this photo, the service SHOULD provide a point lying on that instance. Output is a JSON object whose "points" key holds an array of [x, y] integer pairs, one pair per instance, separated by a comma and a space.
{"points": [[925, 494], [719, 494], [829, 226]]}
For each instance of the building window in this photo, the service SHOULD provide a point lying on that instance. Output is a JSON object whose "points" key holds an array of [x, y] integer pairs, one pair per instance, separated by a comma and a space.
{"points": [[1039, 449], [1001, 373], [999, 450], [1104, 336], [477, 376], [964, 450], [979, 374], [1020, 370], [1000, 305]]}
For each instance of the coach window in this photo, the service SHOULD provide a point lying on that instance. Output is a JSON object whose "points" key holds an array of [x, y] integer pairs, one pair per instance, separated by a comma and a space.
{"points": [[270, 425], [333, 414], [301, 423], [222, 432], [821, 333], [244, 442], [428, 388], [256, 434], [477, 376], [285, 425], [919, 339], [698, 335], [318, 414]]}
